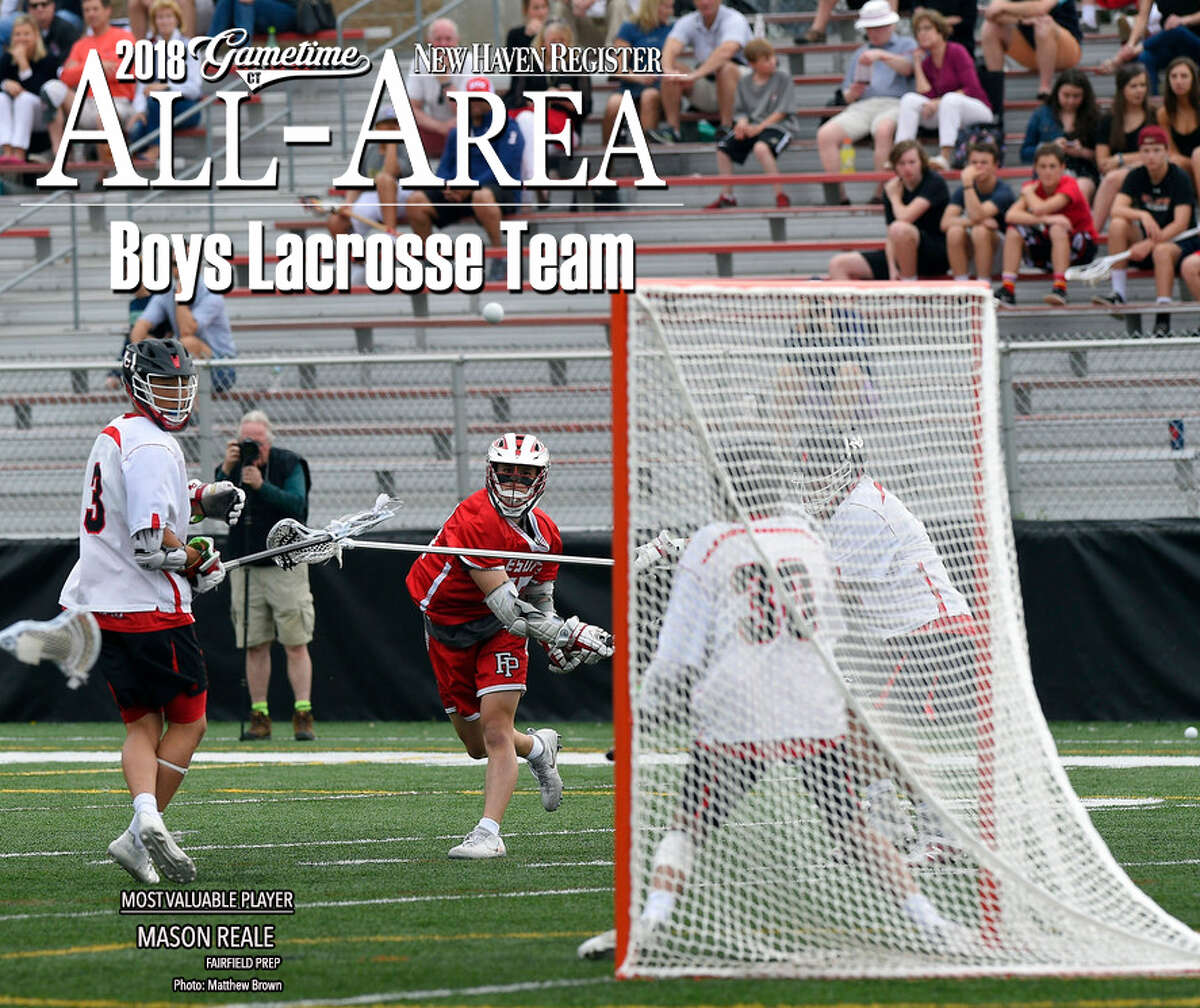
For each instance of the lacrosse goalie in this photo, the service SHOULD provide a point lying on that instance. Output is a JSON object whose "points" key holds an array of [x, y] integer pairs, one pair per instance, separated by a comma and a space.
{"points": [[136, 575], [480, 614]]}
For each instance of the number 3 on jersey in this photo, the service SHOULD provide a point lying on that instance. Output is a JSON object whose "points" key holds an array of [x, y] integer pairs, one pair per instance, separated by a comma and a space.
{"points": [[93, 517], [762, 620]]}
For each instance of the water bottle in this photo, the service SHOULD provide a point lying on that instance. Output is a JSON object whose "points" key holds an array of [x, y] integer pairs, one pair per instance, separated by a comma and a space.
{"points": [[847, 157], [272, 42]]}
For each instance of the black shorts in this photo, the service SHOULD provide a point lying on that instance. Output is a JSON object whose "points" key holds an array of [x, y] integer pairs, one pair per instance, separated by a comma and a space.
{"points": [[1187, 247], [932, 263], [1038, 246], [146, 671], [739, 150], [445, 212], [1066, 15], [717, 776]]}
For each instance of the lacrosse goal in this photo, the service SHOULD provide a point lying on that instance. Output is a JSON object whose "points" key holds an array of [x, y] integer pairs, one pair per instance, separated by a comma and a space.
{"points": [[945, 839]]}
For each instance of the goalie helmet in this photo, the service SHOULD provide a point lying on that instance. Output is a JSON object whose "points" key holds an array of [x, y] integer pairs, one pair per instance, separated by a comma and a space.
{"points": [[168, 404], [511, 494], [830, 463]]}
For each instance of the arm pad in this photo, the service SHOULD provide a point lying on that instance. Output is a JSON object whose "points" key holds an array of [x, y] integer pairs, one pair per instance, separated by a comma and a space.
{"points": [[541, 594], [521, 618], [149, 553]]}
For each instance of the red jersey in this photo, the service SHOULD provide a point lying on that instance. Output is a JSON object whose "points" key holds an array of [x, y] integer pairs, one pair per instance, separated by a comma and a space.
{"points": [[1076, 211], [441, 585]]}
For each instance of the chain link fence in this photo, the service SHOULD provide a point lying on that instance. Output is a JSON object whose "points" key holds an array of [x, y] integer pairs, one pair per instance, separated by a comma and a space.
{"points": [[1092, 429]]}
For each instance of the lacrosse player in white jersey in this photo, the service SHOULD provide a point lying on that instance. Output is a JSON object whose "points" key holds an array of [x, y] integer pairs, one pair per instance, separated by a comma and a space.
{"points": [[757, 690], [901, 593], [136, 575]]}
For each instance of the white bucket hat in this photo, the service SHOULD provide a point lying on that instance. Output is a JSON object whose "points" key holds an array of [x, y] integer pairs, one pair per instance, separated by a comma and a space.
{"points": [[876, 14]]}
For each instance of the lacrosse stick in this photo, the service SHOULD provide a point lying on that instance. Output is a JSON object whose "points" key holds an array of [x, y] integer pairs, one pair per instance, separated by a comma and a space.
{"points": [[1094, 272], [459, 551], [322, 208], [290, 543], [71, 640]]}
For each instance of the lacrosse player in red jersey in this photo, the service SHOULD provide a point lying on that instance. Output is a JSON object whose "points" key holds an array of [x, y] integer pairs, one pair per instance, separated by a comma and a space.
{"points": [[137, 577], [480, 614]]}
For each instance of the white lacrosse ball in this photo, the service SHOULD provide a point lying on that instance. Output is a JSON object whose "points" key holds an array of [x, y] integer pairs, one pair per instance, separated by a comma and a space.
{"points": [[1190, 732], [493, 312]]}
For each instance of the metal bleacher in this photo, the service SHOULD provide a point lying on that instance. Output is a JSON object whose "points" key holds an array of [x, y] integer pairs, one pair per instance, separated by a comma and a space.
{"points": [[403, 440]]}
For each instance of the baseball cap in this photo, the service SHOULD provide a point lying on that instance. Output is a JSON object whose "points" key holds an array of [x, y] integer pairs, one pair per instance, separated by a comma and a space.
{"points": [[385, 113], [1152, 135], [481, 84]]}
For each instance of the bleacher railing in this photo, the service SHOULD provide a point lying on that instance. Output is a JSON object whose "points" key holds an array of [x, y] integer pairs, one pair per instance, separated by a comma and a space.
{"points": [[1092, 430]]}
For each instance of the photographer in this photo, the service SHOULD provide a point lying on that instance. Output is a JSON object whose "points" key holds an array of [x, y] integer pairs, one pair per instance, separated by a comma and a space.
{"points": [[279, 605]]}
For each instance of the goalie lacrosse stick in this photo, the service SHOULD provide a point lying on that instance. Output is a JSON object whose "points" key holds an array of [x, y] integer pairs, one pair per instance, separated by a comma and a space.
{"points": [[71, 640], [289, 542], [321, 208], [1094, 272]]}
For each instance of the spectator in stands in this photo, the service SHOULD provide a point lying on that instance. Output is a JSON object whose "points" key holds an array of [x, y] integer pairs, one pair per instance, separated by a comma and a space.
{"points": [[975, 217], [253, 16], [1041, 35], [1180, 114], [60, 95], [166, 15], [439, 207], [201, 325], [914, 202], [383, 204], [948, 91], [1156, 203], [877, 74], [141, 18], [60, 29], [24, 68], [427, 93], [592, 22], [279, 604], [1049, 226], [1179, 36], [558, 112], [764, 121], [648, 30], [716, 34], [1070, 119], [1117, 137], [533, 16]]}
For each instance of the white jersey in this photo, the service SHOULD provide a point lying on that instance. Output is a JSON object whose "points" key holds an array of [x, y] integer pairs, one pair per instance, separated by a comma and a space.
{"points": [[882, 549], [136, 478], [761, 679]]}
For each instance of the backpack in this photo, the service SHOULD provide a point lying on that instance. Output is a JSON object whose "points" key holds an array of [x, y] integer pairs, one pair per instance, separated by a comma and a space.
{"points": [[991, 132], [313, 16]]}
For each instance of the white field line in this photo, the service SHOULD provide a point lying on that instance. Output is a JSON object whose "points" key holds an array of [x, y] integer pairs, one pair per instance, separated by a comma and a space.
{"points": [[442, 759], [437, 992]]}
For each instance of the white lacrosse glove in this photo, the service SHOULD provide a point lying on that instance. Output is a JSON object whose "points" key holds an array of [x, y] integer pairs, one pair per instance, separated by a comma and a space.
{"points": [[590, 643], [149, 553], [221, 500], [662, 547], [563, 661], [208, 571]]}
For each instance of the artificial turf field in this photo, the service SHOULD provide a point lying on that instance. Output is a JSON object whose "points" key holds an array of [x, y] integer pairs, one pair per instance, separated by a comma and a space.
{"points": [[382, 917]]}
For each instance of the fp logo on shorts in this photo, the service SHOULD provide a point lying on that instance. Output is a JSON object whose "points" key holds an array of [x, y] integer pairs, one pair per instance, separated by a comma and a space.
{"points": [[507, 664]]}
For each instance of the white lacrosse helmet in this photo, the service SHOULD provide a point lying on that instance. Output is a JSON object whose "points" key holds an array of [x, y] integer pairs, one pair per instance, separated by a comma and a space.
{"points": [[830, 463], [513, 496]]}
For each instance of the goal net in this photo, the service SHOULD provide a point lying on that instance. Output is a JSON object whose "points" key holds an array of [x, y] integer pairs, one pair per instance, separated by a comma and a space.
{"points": [[831, 760]]}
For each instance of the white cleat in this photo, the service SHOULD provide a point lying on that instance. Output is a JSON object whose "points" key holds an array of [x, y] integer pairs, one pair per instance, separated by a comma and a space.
{"points": [[545, 769], [168, 857], [479, 844], [133, 859], [601, 946]]}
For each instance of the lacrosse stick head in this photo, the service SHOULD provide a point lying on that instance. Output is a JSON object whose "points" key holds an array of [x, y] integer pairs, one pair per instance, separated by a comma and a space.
{"points": [[288, 531], [315, 205], [1092, 273], [71, 640]]}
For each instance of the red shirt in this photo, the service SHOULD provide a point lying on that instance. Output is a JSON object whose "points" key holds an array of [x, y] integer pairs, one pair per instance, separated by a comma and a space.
{"points": [[441, 585], [72, 69], [1076, 211]]}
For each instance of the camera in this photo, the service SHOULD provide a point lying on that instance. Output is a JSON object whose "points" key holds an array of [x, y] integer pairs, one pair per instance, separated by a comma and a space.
{"points": [[249, 451]]}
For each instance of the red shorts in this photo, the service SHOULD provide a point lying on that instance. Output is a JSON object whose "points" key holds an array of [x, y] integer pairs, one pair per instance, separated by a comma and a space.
{"points": [[465, 674]]}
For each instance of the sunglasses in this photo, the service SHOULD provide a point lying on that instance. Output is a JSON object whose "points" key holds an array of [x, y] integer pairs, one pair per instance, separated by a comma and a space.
{"points": [[38, 6]]}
